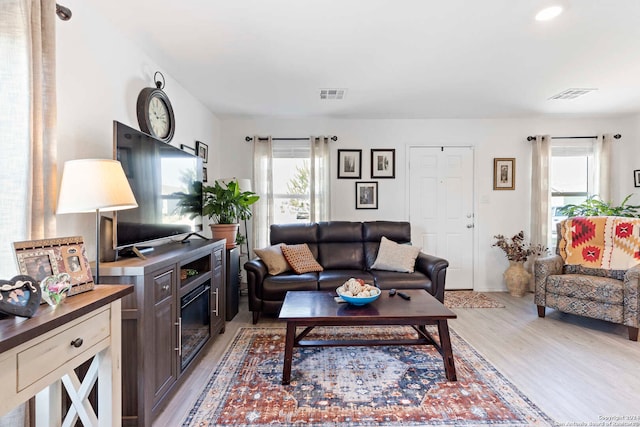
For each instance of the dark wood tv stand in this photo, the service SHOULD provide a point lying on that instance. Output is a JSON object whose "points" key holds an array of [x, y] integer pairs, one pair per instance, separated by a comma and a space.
{"points": [[151, 356]]}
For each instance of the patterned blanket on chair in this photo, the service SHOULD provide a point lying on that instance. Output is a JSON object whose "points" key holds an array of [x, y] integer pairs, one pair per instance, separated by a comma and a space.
{"points": [[608, 242]]}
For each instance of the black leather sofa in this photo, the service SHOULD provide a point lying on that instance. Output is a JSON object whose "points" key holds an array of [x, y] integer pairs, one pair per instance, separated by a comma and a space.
{"points": [[345, 250]]}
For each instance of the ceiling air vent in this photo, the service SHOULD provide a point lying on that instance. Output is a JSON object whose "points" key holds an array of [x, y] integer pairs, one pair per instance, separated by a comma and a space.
{"points": [[332, 93], [572, 93]]}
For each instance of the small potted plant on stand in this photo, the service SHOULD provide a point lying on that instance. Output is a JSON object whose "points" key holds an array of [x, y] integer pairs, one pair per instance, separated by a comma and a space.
{"points": [[226, 204], [517, 251]]}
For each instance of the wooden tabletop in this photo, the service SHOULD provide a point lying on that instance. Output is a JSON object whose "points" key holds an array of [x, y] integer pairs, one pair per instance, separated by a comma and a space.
{"points": [[321, 305], [16, 330]]}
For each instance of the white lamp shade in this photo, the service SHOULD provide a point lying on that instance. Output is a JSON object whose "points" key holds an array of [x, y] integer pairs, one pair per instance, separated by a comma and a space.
{"points": [[90, 185], [243, 183]]}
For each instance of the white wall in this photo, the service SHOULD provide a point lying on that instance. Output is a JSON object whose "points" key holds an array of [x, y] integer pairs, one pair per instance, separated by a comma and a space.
{"points": [[99, 76], [497, 212]]}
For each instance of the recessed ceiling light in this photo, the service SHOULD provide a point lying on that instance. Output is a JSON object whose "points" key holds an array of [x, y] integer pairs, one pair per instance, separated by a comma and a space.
{"points": [[548, 13]]}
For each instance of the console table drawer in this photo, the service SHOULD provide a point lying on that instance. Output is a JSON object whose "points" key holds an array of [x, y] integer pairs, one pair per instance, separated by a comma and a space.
{"points": [[48, 355]]}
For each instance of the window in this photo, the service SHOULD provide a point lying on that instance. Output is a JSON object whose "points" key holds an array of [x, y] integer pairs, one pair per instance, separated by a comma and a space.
{"points": [[291, 196], [572, 177], [292, 179]]}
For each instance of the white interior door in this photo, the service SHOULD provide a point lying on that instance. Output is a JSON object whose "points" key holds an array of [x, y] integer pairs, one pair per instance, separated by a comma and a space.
{"points": [[441, 208]]}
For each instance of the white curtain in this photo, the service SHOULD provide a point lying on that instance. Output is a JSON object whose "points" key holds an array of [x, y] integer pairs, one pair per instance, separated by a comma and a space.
{"points": [[602, 164], [27, 125], [27, 133], [263, 183], [320, 183], [540, 192]]}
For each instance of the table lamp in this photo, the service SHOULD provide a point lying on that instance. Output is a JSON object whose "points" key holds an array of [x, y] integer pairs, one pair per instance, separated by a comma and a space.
{"points": [[94, 185]]}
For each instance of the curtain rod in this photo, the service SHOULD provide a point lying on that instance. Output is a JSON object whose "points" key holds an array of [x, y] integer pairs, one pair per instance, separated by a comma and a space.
{"points": [[249, 139], [531, 138]]}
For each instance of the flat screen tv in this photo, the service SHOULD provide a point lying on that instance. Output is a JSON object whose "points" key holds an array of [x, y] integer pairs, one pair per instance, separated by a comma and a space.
{"points": [[167, 184]]}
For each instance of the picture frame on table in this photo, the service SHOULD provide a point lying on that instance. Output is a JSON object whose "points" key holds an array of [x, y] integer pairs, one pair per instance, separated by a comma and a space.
{"points": [[202, 150], [504, 173], [205, 175], [349, 164], [636, 178], [366, 195], [383, 163], [46, 257]]}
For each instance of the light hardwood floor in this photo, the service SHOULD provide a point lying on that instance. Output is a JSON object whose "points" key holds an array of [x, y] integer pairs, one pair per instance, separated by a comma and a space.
{"points": [[575, 369]]}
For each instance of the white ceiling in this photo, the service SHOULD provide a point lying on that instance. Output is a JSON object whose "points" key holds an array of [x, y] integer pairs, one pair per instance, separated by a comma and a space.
{"points": [[397, 59]]}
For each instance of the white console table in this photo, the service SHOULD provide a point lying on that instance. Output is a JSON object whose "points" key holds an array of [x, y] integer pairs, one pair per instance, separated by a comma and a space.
{"points": [[38, 356]]}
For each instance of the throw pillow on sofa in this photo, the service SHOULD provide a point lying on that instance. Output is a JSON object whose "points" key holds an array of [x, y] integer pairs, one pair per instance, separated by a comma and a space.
{"points": [[300, 258], [393, 256], [273, 259]]}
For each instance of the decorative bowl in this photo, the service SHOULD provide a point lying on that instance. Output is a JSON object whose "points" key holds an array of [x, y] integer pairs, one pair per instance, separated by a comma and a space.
{"points": [[358, 300]]}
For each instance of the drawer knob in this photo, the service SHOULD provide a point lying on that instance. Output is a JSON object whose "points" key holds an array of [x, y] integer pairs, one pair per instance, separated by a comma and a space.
{"points": [[77, 342]]}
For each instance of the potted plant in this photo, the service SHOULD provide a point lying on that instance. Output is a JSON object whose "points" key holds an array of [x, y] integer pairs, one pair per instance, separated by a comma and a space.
{"points": [[226, 204], [594, 206], [517, 251]]}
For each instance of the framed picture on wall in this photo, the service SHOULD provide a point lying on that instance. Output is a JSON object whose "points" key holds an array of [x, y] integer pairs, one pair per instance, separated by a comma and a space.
{"points": [[504, 174], [366, 195], [202, 150], [636, 178], [349, 164], [184, 147], [383, 163]]}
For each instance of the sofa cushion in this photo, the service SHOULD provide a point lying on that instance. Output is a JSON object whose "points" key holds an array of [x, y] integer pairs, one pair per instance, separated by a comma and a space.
{"points": [[341, 256], [395, 257], [300, 258], [274, 288], [398, 231], [373, 231], [340, 245], [592, 288], [293, 234], [331, 279], [392, 279], [598, 272], [273, 259]]}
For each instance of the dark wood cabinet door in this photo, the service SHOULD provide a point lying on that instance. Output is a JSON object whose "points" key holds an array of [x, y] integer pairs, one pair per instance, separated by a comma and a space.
{"points": [[165, 335], [218, 290]]}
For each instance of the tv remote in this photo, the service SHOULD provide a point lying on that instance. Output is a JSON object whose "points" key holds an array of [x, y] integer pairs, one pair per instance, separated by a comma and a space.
{"points": [[403, 295]]}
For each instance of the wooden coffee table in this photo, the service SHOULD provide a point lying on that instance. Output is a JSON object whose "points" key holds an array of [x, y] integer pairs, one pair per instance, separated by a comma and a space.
{"points": [[318, 308]]}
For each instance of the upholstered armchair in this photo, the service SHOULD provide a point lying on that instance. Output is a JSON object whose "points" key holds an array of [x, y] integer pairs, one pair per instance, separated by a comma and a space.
{"points": [[610, 294]]}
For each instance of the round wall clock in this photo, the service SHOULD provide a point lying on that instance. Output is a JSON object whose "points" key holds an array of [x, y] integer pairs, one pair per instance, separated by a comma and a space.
{"points": [[155, 113]]}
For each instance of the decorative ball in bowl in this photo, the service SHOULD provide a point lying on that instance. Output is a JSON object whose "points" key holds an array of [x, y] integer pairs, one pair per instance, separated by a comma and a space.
{"points": [[356, 292]]}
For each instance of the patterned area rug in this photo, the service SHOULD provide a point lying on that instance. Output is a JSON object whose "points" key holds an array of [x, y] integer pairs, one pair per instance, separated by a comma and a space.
{"points": [[469, 299], [357, 386]]}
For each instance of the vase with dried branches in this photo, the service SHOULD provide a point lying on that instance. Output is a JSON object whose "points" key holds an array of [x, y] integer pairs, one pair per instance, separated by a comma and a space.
{"points": [[518, 250]]}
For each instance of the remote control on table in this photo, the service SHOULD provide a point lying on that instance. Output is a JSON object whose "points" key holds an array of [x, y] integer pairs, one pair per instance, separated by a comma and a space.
{"points": [[403, 295]]}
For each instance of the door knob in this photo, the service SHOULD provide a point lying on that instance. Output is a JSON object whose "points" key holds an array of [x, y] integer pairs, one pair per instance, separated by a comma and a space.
{"points": [[469, 225]]}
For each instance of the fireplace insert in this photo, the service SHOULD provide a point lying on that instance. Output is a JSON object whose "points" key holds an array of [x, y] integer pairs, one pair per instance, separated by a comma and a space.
{"points": [[195, 319]]}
